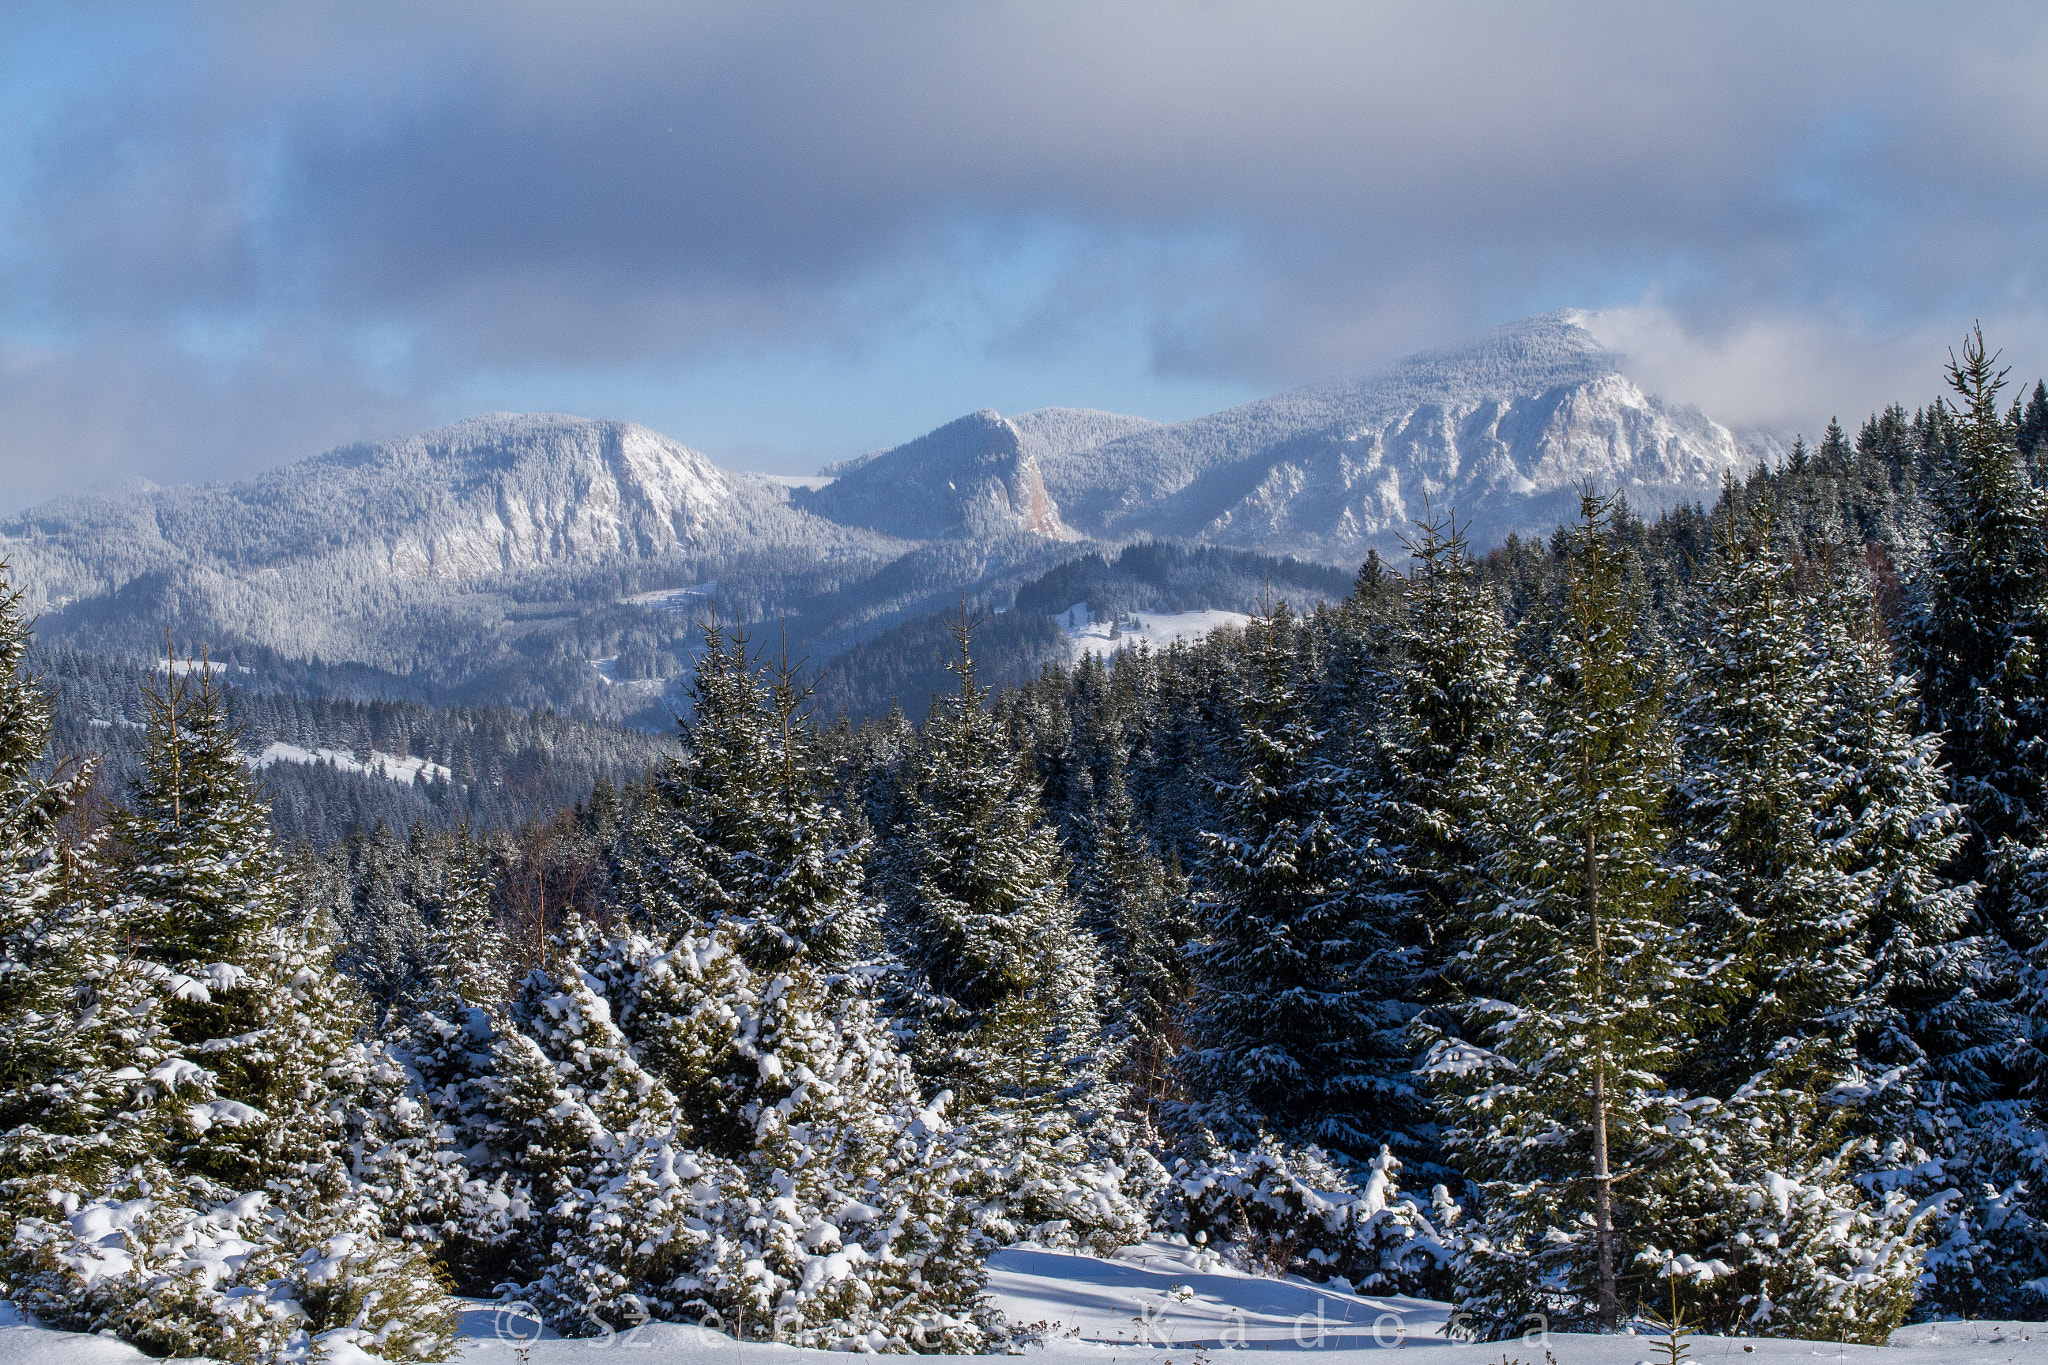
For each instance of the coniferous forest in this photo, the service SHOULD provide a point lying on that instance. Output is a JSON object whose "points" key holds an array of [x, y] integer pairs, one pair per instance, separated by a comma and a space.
{"points": [[1653, 914]]}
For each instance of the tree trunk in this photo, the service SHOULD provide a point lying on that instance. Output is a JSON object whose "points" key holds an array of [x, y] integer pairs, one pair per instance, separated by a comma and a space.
{"points": [[1603, 1202], [1603, 1179]]}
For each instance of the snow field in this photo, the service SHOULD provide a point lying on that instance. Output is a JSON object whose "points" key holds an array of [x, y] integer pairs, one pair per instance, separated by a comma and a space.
{"points": [[608, 673], [1158, 1302], [1164, 1303]]}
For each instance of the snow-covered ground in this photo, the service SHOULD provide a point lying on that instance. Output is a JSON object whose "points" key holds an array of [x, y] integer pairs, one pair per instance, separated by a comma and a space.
{"points": [[1156, 629], [393, 766], [1159, 1304]]}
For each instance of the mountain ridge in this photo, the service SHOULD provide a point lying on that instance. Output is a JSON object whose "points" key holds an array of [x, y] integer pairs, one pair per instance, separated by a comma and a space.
{"points": [[509, 557], [1499, 427]]}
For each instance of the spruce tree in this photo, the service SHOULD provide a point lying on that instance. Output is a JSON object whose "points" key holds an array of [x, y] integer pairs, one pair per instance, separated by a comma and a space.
{"points": [[1982, 625], [744, 827], [1000, 988], [424, 1108], [1816, 829], [256, 1064], [72, 1017], [1455, 686], [1579, 964], [704, 1140], [1003, 981]]}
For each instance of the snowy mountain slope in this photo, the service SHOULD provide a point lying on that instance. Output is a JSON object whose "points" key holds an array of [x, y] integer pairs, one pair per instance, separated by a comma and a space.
{"points": [[492, 559], [491, 494], [1500, 429], [1054, 433], [976, 477]]}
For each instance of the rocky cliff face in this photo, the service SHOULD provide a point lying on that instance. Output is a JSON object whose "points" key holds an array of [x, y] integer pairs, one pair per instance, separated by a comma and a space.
{"points": [[974, 477], [507, 492]]}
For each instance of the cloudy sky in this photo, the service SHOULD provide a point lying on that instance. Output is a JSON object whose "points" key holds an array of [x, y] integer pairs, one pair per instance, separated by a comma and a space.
{"points": [[236, 235]]}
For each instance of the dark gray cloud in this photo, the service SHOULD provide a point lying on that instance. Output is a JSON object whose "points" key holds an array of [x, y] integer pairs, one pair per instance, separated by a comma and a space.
{"points": [[335, 215]]}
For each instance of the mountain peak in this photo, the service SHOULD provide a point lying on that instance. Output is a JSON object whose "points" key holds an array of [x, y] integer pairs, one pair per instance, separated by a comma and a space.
{"points": [[975, 476], [1497, 428]]}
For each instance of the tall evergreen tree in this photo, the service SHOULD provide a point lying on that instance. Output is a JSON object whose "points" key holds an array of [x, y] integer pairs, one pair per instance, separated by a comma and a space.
{"points": [[1982, 626], [1456, 688], [70, 1016], [1001, 986], [1816, 825], [254, 1067], [1579, 962], [1004, 981]]}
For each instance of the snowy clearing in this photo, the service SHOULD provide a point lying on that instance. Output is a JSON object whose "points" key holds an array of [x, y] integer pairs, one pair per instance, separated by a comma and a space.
{"points": [[1156, 630], [608, 671], [1155, 1302], [396, 767]]}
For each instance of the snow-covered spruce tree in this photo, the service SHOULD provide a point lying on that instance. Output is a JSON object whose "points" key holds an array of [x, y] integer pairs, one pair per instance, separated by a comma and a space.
{"points": [[1782, 1232], [1755, 800], [1455, 688], [741, 828], [1291, 1209], [423, 1107], [244, 1236], [1816, 826], [1299, 1021], [1000, 983], [1978, 1005], [70, 1019], [796, 1187], [1578, 964], [1980, 632]]}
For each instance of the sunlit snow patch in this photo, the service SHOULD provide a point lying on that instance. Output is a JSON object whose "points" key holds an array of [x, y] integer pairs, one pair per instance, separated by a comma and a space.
{"points": [[392, 766], [1156, 630]]}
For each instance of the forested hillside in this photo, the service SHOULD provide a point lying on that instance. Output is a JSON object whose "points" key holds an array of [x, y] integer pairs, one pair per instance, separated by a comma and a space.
{"points": [[332, 767], [1653, 916], [907, 665]]}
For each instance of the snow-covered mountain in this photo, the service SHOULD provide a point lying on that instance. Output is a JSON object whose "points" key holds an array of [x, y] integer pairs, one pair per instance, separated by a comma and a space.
{"points": [[493, 559], [977, 477], [503, 492], [1502, 430], [522, 490]]}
